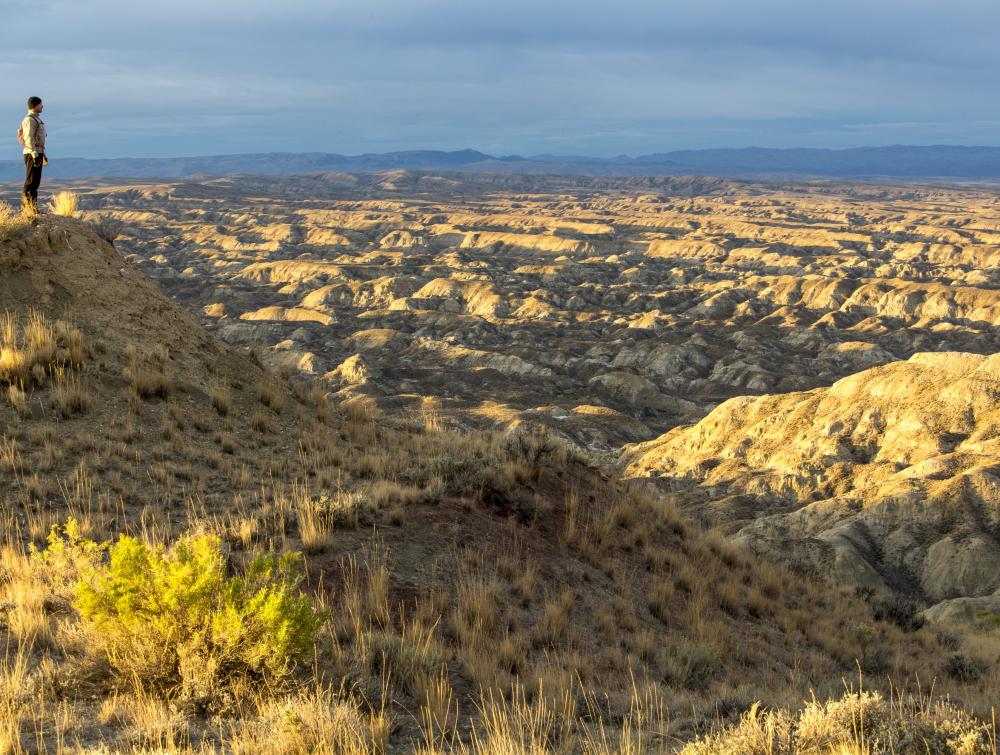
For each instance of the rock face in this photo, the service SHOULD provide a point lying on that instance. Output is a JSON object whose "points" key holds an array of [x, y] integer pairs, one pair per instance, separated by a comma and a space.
{"points": [[889, 478]]}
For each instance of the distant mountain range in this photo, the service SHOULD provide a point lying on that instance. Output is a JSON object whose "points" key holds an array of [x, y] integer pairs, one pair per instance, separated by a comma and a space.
{"points": [[899, 162]]}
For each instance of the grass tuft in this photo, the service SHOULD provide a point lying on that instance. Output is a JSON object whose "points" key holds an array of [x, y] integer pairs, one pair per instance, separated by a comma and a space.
{"points": [[12, 222], [64, 203]]}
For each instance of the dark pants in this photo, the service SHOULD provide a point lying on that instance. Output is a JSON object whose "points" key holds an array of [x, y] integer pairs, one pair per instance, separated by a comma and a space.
{"points": [[32, 180]]}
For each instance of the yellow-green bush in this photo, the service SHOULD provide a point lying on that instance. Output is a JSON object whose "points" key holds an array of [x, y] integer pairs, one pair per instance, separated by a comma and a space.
{"points": [[68, 556], [172, 618]]}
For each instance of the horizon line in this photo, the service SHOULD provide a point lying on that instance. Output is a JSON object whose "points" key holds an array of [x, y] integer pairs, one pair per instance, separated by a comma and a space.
{"points": [[537, 156]]}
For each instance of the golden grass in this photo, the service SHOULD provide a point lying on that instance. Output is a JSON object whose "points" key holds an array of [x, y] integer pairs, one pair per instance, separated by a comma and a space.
{"points": [[555, 618], [25, 596], [528, 703], [269, 395], [858, 723], [69, 396], [64, 203], [12, 222], [261, 422], [27, 348], [317, 720], [15, 688], [221, 396], [314, 518], [19, 400]]}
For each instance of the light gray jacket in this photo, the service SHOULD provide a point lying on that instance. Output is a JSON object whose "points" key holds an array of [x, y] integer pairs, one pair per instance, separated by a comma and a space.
{"points": [[33, 130]]}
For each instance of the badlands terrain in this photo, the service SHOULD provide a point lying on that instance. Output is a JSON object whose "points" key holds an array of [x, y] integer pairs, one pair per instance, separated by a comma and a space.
{"points": [[521, 430], [611, 310], [615, 310]]}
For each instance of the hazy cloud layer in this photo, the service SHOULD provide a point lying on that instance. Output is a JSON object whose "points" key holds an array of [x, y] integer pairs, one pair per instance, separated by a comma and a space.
{"points": [[632, 76]]}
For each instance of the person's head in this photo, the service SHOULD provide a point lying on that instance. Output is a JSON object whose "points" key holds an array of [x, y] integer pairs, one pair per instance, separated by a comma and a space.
{"points": [[35, 104]]}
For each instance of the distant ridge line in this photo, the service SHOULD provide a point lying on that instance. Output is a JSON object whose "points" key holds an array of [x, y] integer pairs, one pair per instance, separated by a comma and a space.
{"points": [[899, 162]]}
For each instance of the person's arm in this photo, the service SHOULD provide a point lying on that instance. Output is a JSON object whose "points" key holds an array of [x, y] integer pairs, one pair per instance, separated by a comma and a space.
{"points": [[30, 129]]}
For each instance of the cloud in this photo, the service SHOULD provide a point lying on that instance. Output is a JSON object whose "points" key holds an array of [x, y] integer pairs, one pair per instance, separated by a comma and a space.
{"points": [[606, 77]]}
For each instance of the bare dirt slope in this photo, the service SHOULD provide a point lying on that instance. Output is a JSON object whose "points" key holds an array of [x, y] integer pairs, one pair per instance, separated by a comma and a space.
{"points": [[164, 409]]}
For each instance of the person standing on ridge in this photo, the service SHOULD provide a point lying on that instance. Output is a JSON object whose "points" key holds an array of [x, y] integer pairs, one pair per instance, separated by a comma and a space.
{"points": [[32, 136]]}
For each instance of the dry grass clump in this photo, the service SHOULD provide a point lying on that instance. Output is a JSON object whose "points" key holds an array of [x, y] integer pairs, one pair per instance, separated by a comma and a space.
{"points": [[261, 422], [19, 400], [69, 396], [317, 516], [15, 696], [269, 395], [859, 723], [360, 409], [64, 203], [24, 595], [12, 222], [108, 228], [528, 721], [148, 374], [33, 348], [221, 397], [556, 618], [313, 721]]}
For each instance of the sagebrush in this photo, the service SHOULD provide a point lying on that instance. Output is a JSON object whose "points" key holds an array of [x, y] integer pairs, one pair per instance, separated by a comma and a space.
{"points": [[174, 620]]}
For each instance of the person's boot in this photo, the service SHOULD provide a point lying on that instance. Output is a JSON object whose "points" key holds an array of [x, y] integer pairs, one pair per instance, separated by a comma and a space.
{"points": [[29, 206]]}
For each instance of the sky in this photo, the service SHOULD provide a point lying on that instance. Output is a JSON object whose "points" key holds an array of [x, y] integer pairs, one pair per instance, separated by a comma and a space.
{"points": [[589, 77]]}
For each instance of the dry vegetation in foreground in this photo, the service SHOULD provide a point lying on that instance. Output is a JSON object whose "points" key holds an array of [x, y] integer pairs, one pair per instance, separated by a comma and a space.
{"points": [[12, 222], [32, 349], [860, 722], [597, 626], [458, 592]]}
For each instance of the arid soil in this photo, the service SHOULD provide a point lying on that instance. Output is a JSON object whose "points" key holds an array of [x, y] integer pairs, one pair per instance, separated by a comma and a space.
{"points": [[889, 479]]}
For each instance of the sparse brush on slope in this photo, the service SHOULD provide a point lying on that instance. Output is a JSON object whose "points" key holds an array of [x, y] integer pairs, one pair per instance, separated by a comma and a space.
{"points": [[148, 374], [458, 567]]}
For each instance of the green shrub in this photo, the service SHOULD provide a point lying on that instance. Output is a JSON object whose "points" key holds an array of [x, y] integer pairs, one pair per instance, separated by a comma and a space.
{"points": [[173, 619]]}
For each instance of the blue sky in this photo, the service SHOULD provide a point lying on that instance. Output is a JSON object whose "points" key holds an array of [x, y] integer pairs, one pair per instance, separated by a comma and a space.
{"points": [[601, 78]]}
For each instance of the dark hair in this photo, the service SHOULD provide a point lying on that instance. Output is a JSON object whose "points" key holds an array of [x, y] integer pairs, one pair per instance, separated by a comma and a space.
{"points": [[34, 102]]}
